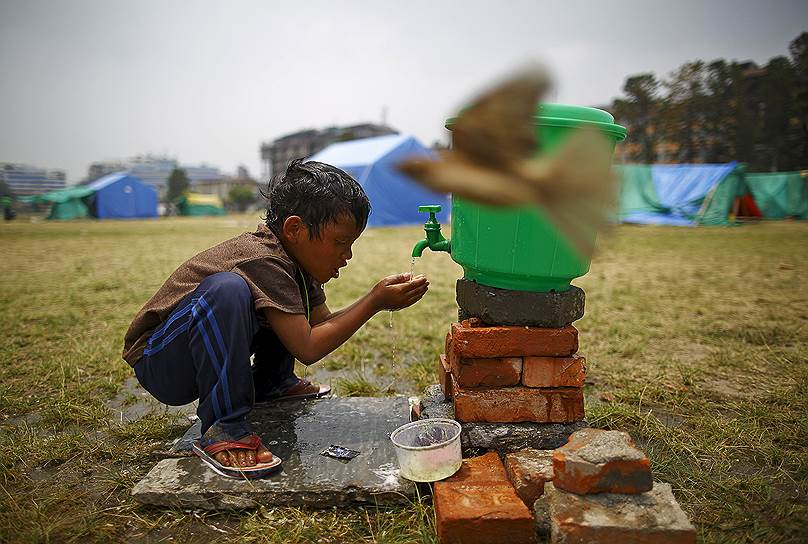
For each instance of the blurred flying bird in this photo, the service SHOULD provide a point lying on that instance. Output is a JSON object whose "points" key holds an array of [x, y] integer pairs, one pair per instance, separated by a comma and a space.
{"points": [[493, 161]]}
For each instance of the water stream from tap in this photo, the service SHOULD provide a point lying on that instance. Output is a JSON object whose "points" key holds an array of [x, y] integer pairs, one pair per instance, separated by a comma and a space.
{"points": [[394, 354]]}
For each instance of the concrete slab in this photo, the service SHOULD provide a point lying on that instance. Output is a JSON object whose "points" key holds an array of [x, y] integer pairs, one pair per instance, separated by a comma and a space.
{"points": [[477, 438], [297, 431]]}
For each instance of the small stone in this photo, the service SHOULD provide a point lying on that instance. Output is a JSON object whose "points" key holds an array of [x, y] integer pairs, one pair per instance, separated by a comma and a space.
{"points": [[528, 471], [485, 342], [654, 516], [598, 461], [435, 405], [554, 371], [481, 514], [497, 306]]}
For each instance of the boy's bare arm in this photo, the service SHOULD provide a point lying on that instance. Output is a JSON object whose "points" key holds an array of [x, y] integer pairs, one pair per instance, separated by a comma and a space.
{"points": [[310, 343]]}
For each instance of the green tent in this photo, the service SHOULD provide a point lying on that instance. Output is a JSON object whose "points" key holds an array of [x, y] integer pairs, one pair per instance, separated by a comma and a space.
{"points": [[780, 194], [680, 194], [68, 203], [197, 204]]}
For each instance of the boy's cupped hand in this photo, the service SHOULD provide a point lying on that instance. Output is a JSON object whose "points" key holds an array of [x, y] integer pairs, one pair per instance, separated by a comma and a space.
{"points": [[399, 291]]}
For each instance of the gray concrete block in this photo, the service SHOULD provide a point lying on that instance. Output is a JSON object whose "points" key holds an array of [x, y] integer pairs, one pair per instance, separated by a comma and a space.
{"points": [[496, 306], [510, 437], [654, 516], [297, 432]]}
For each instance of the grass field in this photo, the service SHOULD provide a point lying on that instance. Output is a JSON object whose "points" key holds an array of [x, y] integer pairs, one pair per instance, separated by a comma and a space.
{"points": [[695, 338]]}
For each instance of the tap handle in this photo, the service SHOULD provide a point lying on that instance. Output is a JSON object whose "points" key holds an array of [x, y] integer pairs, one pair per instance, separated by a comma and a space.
{"points": [[431, 210]]}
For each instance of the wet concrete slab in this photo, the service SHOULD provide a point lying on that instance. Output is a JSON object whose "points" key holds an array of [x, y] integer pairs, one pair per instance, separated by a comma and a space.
{"points": [[296, 431]]}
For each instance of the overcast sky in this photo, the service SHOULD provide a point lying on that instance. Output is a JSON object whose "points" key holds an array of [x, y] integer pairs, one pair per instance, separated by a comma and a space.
{"points": [[209, 81]]}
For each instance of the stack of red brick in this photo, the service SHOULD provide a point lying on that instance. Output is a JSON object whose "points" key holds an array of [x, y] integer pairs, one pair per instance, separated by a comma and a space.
{"points": [[595, 489], [505, 374]]}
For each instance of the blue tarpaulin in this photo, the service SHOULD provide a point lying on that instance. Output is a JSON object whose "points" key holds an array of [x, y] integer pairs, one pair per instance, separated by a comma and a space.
{"points": [[679, 194], [122, 196], [394, 197]]}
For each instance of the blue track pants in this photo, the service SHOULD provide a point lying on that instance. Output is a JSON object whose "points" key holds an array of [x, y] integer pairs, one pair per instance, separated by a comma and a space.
{"points": [[203, 349]]}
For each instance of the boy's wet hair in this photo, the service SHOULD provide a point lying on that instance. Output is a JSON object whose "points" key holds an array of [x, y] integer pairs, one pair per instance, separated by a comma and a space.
{"points": [[316, 192]]}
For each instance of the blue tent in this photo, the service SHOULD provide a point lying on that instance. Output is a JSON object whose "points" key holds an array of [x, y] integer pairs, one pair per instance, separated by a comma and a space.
{"points": [[680, 194], [122, 196], [394, 197]]}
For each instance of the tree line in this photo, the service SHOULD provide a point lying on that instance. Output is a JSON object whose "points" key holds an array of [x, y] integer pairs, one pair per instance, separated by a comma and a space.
{"points": [[721, 111]]}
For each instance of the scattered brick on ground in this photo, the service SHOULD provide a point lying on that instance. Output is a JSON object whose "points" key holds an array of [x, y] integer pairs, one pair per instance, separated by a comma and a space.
{"points": [[598, 461], [470, 341], [483, 469], [654, 516], [529, 470], [481, 514], [515, 404], [494, 372], [445, 377], [478, 504], [554, 371]]}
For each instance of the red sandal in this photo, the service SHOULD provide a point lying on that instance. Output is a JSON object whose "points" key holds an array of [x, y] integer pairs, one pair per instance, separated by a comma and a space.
{"points": [[303, 389], [206, 449]]}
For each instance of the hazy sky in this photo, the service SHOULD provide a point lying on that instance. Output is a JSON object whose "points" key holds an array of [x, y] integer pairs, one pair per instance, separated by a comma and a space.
{"points": [[209, 81]]}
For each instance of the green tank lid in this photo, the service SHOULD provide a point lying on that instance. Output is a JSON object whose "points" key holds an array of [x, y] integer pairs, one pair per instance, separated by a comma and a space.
{"points": [[567, 115]]}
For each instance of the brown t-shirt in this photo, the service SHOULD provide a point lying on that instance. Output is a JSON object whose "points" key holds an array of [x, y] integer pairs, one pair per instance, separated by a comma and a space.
{"points": [[258, 257]]}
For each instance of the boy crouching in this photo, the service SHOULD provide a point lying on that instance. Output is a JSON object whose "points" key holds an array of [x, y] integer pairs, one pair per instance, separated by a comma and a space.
{"points": [[259, 295]]}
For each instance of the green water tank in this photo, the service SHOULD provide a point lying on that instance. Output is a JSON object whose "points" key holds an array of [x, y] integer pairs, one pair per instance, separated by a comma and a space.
{"points": [[517, 248]]}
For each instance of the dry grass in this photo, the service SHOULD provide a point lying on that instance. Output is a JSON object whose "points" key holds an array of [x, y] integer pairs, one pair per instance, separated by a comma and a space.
{"points": [[695, 340]]}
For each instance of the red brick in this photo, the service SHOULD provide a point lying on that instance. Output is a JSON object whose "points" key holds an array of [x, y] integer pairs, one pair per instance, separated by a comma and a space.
{"points": [[513, 404], [484, 469], [495, 372], [654, 516], [598, 461], [445, 377], [554, 371], [486, 342], [528, 470], [481, 514]]}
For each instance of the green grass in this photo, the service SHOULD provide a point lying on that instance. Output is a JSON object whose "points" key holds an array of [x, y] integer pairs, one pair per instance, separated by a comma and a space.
{"points": [[695, 342]]}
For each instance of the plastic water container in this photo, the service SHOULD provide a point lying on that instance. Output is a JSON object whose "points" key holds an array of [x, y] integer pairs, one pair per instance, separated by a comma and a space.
{"points": [[428, 450], [517, 247]]}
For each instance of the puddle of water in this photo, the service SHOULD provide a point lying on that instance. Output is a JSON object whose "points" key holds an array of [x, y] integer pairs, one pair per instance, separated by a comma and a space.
{"points": [[133, 402]]}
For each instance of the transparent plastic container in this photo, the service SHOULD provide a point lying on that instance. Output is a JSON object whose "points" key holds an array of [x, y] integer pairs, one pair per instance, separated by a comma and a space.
{"points": [[428, 450]]}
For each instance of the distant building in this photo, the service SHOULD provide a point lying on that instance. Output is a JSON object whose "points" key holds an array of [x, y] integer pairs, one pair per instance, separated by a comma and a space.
{"points": [[277, 154], [221, 187], [155, 171], [26, 180]]}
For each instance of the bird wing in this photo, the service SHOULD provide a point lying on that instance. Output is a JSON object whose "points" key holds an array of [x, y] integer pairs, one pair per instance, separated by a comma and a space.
{"points": [[498, 128]]}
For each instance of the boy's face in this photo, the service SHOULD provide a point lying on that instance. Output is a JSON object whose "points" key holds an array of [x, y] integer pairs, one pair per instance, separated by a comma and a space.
{"points": [[321, 257]]}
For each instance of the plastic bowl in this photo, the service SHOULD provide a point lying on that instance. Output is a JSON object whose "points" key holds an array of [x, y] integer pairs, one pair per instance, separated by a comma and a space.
{"points": [[428, 450]]}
